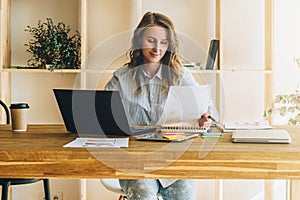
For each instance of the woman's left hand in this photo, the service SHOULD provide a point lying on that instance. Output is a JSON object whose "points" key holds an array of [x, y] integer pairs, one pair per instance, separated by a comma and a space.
{"points": [[204, 121]]}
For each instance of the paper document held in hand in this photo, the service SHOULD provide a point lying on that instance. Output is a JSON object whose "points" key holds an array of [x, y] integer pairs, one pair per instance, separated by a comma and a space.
{"points": [[185, 105]]}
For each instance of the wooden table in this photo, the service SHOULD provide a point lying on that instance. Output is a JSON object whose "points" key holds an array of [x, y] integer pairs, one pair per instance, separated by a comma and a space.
{"points": [[39, 153]]}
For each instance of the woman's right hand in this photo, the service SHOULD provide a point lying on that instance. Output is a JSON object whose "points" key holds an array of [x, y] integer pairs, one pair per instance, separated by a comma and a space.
{"points": [[205, 121]]}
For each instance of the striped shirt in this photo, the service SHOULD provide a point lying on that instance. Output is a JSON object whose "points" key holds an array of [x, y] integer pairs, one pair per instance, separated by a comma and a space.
{"points": [[146, 107]]}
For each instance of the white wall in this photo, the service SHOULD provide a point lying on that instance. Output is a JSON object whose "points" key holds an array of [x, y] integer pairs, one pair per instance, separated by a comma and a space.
{"points": [[242, 34], [287, 46], [242, 58], [69, 188], [243, 95]]}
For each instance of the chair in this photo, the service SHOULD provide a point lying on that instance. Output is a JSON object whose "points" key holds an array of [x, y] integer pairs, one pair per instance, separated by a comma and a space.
{"points": [[114, 186], [6, 182]]}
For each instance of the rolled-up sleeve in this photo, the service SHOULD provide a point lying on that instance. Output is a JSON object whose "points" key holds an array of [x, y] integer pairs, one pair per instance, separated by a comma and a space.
{"points": [[113, 84]]}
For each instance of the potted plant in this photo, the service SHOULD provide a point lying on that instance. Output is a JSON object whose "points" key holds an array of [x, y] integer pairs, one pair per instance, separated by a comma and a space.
{"points": [[53, 45], [286, 109]]}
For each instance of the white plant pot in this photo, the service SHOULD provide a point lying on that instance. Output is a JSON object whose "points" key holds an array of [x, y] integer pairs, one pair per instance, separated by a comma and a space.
{"points": [[48, 66]]}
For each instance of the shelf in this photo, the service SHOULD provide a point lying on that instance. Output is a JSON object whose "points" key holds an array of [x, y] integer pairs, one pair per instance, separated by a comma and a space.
{"points": [[73, 71], [65, 71], [41, 71], [247, 71], [203, 71], [230, 71]]}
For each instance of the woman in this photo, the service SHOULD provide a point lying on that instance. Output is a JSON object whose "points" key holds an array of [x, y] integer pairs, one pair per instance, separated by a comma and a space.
{"points": [[144, 82]]}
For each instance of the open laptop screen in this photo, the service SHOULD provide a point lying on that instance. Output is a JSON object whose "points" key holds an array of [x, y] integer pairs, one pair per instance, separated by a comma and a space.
{"points": [[93, 112]]}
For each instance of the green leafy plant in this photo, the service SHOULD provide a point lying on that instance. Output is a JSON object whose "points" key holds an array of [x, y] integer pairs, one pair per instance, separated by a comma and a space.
{"points": [[287, 105], [53, 45]]}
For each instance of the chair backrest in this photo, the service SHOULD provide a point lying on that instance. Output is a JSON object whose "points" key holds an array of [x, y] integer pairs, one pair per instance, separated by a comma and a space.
{"points": [[6, 112], [112, 185]]}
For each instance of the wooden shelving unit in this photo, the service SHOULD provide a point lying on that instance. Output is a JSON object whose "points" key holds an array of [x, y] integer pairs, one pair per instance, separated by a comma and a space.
{"points": [[84, 73], [7, 8]]}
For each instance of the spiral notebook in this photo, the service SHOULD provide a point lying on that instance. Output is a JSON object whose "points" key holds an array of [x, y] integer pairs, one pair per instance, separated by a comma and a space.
{"points": [[186, 129], [170, 133]]}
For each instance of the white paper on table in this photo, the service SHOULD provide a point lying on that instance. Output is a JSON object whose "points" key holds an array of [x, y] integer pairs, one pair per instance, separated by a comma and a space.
{"points": [[247, 125], [185, 105], [98, 143]]}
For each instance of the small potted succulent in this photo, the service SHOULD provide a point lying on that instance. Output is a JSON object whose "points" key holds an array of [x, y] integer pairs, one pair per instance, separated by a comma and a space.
{"points": [[53, 45]]}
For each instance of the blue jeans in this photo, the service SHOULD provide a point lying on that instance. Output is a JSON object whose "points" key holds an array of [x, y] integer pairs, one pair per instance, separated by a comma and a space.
{"points": [[148, 189]]}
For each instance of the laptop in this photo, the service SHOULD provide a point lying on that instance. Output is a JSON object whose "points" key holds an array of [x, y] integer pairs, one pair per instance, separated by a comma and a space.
{"points": [[261, 136], [95, 112]]}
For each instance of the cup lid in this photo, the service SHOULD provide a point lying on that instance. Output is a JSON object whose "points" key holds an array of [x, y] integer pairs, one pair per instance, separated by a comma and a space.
{"points": [[19, 105]]}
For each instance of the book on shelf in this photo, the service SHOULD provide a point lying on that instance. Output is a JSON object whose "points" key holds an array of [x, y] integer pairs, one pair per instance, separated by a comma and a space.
{"points": [[212, 54]]}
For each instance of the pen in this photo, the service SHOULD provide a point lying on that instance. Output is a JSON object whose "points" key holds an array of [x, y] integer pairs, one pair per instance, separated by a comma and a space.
{"points": [[100, 143], [213, 119], [218, 126]]}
